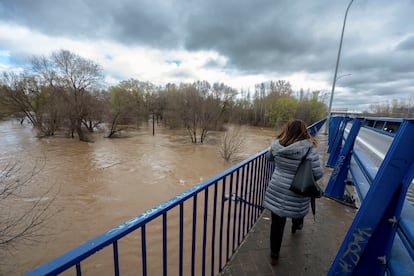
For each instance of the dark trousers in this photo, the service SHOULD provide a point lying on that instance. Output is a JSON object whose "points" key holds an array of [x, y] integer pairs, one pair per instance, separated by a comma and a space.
{"points": [[276, 232]]}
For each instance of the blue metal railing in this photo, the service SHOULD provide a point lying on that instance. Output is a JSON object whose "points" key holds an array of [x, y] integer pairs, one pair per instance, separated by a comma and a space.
{"points": [[225, 206], [381, 238], [220, 212]]}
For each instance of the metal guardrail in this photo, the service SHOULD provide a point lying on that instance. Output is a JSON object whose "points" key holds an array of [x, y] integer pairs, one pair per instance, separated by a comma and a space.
{"points": [[380, 240], [213, 225], [213, 219]]}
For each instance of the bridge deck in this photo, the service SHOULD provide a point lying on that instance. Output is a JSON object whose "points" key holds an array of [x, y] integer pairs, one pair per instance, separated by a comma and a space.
{"points": [[307, 252]]}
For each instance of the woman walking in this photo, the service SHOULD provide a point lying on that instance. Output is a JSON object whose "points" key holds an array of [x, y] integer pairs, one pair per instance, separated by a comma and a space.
{"points": [[287, 151]]}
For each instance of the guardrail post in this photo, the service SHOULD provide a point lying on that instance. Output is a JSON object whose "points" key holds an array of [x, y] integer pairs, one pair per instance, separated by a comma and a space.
{"points": [[336, 184], [334, 125], [335, 148], [366, 247]]}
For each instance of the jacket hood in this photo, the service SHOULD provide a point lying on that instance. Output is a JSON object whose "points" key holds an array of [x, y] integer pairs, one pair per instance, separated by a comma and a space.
{"points": [[296, 150]]}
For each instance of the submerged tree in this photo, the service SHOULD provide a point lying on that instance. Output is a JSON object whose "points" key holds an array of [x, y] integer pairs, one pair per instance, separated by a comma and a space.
{"points": [[191, 110], [231, 144], [73, 77], [198, 107], [126, 106], [21, 95]]}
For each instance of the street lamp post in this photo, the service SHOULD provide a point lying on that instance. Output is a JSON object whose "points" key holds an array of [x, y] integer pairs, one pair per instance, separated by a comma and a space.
{"points": [[336, 67]]}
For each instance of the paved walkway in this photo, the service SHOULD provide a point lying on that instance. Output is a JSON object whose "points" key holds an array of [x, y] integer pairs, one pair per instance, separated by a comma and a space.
{"points": [[307, 252]]}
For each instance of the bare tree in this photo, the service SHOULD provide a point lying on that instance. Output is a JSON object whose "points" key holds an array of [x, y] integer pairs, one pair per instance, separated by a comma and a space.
{"points": [[121, 109], [97, 102], [215, 104], [173, 109], [281, 87], [126, 106], [21, 224], [190, 110], [15, 95], [231, 144], [75, 76], [23, 94], [202, 107]]}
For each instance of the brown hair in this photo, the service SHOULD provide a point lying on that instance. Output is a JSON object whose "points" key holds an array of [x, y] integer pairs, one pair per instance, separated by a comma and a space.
{"points": [[294, 131]]}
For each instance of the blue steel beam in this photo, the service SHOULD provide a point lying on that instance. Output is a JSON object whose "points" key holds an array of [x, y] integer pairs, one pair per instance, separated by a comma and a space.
{"points": [[367, 245], [334, 124], [336, 184], [336, 146]]}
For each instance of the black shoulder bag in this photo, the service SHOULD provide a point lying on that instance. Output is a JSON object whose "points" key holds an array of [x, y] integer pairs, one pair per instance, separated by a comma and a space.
{"points": [[304, 183]]}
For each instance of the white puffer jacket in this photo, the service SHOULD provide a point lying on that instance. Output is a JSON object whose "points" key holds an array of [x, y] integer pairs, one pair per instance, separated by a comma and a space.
{"points": [[278, 198]]}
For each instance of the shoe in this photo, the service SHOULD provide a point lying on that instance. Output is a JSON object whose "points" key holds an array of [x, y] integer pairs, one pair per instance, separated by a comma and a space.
{"points": [[294, 228], [275, 258]]}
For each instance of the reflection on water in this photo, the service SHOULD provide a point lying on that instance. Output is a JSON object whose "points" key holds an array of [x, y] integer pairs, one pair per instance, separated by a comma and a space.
{"points": [[97, 186]]}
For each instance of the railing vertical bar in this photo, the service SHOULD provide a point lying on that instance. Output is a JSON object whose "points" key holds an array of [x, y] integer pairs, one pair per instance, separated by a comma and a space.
{"points": [[235, 211], [213, 230], [254, 189], [255, 200], [260, 185], [260, 168], [246, 181], [228, 219], [144, 250], [164, 244], [116, 259], [203, 264], [193, 244], [249, 208], [78, 269], [181, 253], [223, 191], [253, 195], [264, 179], [256, 193], [240, 206]]}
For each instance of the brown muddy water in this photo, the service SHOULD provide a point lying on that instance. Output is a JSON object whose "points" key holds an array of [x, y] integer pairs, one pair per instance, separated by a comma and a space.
{"points": [[94, 187]]}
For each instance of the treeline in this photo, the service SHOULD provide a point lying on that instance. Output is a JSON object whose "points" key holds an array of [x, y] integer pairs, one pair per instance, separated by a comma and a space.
{"points": [[395, 108], [63, 92]]}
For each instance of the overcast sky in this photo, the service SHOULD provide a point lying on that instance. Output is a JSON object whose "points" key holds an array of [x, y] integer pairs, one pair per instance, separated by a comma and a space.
{"points": [[240, 43]]}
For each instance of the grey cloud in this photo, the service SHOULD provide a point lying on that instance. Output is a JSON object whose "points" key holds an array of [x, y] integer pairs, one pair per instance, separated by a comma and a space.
{"points": [[151, 23], [406, 44], [21, 59], [57, 18], [180, 73], [146, 22], [264, 36], [261, 36], [212, 63]]}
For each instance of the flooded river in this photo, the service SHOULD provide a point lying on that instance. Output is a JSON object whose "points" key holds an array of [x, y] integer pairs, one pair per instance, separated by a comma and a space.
{"points": [[93, 187]]}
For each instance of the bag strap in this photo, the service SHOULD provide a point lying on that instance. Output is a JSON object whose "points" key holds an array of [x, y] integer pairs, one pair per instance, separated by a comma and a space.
{"points": [[304, 157]]}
